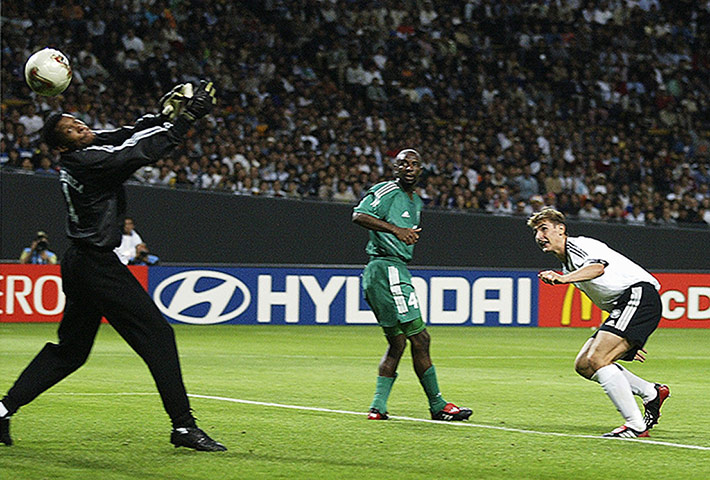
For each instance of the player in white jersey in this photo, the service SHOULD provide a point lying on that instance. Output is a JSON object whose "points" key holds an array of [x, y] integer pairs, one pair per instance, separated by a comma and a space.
{"points": [[630, 295]]}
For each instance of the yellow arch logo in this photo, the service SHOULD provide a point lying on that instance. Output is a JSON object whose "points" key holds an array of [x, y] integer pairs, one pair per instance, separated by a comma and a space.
{"points": [[585, 307]]}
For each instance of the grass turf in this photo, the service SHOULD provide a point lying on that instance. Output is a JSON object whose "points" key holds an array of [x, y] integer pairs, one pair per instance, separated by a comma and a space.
{"points": [[106, 421]]}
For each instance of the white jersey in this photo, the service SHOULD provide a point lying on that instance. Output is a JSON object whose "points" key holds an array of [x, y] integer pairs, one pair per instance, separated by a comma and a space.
{"points": [[620, 273], [127, 250]]}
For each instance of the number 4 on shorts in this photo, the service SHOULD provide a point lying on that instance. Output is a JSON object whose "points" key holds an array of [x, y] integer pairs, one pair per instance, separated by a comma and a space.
{"points": [[413, 301]]}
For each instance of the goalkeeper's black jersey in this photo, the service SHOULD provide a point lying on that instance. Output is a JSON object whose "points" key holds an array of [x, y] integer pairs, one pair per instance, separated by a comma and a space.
{"points": [[92, 178]]}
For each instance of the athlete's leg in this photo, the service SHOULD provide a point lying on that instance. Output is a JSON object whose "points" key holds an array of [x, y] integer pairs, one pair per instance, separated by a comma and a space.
{"points": [[421, 358], [604, 349], [54, 362], [136, 318], [387, 374], [581, 363], [76, 334], [421, 341], [390, 360], [379, 296], [640, 387], [425, 370], [130, 310]]}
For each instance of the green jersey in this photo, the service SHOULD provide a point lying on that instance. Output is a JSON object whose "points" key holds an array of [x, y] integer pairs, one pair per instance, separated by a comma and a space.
{"points": [[387, 201]]}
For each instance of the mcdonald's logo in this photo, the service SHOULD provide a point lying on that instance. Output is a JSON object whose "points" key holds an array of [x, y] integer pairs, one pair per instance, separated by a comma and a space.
{"points": [[567, 307], [586, 304]]}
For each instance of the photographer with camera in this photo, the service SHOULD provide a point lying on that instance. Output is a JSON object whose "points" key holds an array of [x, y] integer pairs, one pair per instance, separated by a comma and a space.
{"points": [[143, 256], [39, 253]]}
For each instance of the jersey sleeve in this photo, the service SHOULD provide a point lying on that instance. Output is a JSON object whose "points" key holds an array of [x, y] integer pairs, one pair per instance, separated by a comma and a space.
{"points": [[114, 164], [120, 135], [588, 251], [369, 205]]}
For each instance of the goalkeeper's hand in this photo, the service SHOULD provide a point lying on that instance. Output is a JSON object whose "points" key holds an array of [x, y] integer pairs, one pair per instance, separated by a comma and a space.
{"points": [[173, 102], [201, 102]]}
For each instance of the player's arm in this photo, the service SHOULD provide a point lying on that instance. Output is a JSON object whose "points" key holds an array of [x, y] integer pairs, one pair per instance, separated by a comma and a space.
{"points": [[410, 236], [588, 272], [26, 254], [120, 135], [117, 163], [171, 104], [113, 165]]}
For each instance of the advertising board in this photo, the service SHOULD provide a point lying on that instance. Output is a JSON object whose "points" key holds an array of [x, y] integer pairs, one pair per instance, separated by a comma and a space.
{"points": [[333, 296]]}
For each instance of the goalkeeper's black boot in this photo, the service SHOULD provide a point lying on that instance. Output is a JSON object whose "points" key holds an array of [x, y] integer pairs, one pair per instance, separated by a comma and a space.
{"points": [[5, 431], [193, 437]]}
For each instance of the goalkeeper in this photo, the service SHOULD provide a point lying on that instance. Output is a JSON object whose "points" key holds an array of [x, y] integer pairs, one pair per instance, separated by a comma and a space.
{"points": [[94, 166]]}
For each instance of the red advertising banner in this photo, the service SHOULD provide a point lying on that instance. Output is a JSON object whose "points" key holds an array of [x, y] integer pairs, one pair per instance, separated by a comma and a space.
{"points": [[685, 298], [33, 293]]}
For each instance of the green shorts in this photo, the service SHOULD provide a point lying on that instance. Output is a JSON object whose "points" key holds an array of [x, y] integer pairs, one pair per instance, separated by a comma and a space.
{"points": [[389, 292]]}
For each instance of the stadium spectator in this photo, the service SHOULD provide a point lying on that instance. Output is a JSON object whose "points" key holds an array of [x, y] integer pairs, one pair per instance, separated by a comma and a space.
{"points": [[32, 122], [130, 239], [143, 256], [589, 211], [525, 86], [45, 166], [38, 253]]}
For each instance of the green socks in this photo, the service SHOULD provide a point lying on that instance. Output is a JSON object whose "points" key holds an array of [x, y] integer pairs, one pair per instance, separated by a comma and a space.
{"points": [[431, 387], [428, 381], [382, 393]]}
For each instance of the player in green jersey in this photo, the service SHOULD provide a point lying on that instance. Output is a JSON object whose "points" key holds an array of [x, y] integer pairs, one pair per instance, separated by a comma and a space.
{"points": [[390, 211]]}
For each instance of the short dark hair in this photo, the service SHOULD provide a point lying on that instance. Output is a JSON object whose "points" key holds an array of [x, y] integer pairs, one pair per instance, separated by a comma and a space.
{"points": [[50, 135]]}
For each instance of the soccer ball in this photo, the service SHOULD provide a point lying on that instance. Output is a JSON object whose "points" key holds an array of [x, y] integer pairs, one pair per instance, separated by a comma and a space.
{"points": [[48, 72]]}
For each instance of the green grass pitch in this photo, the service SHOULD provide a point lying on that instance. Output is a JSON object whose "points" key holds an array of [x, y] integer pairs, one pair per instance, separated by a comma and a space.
{"points": [[106, 421]]}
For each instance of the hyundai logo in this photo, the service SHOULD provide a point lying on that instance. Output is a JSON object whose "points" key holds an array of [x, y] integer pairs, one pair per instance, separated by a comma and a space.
{"points": [[218, 295]]}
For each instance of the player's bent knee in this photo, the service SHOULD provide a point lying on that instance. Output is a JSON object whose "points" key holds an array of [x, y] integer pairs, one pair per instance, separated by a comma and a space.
{"points": [[421, 340], [596, 362], [584, 371], [582, 367], [396, 346]]}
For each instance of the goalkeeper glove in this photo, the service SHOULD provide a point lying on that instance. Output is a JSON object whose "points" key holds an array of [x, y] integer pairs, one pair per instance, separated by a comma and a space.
{"points": [[173, 102], [201, 103]]}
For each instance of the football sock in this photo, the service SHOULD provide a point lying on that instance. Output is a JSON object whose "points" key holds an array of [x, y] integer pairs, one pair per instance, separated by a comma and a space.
{"points": [[184, 421], [3, 410], [431, 387], [618, 389], [382, 393], [639, 386]]}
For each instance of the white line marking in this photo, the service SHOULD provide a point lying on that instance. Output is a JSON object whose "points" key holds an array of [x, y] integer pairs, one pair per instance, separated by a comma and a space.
{"points": [[410, 419]]}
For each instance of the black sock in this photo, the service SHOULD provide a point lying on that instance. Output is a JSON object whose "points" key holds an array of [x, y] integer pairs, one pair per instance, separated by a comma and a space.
{"points": [[186, 421]]}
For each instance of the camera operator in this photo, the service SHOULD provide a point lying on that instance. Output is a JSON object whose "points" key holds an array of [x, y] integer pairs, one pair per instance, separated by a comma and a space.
{"points": [[39, 253], [143, 256]]}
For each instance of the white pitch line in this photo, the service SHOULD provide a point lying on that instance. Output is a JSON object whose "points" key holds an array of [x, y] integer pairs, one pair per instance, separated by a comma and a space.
{"points": [[410, 419]]}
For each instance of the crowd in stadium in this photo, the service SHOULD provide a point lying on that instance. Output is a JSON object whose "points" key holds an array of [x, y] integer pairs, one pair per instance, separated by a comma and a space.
{"points": [[600, 108]]}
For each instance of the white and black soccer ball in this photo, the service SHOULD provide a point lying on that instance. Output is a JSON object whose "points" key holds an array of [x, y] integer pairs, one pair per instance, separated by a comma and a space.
{"points": [[48, 72]]}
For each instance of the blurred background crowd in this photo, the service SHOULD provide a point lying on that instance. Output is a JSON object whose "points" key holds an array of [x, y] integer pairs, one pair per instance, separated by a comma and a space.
{"points": [[600, 108]]}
